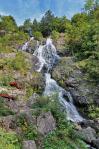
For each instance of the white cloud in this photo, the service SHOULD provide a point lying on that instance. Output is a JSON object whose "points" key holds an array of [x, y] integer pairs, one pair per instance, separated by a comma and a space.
{"points": [[3, 13]]}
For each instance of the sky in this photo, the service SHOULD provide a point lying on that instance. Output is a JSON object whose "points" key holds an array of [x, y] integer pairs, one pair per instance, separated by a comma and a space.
{"points": [[23, 9]]}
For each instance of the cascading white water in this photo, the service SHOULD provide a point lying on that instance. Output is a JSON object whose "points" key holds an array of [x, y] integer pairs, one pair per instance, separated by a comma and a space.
{"points": [[25, 46], [51, 88], [47, 57]]}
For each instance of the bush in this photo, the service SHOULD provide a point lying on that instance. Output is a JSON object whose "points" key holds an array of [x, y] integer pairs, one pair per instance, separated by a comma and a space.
{"points": [[4, 111], [9, 140], [28, 130], [38, 35], [55, 35]]}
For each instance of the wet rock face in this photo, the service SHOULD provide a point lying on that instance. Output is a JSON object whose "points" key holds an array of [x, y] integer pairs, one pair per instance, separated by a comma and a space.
{"points": [[88, 134], [69, 76], [46, 123], [29, 144]]}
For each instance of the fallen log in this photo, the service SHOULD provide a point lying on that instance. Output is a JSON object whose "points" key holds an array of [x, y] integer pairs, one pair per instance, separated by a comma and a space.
{"points": [[7, 96], [15, 84]]}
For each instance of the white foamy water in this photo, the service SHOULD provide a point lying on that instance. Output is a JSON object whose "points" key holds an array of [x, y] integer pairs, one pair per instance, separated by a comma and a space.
{"points": [[47, 57], [51, 88]]}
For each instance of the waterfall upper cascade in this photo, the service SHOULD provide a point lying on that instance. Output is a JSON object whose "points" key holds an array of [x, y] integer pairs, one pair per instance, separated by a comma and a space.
{"points": [[47, 56]]}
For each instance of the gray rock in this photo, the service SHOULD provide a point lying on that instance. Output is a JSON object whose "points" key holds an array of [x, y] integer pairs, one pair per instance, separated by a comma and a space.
{"points": [[78, 99], [88, 134], [8, 123], [92, 123], [96, 143], [30, 144], [12, 105], [28, 116], [32, 100], [46, 123]]}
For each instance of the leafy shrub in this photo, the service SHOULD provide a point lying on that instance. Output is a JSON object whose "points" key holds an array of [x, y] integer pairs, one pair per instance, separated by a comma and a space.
{"points": [[4, 111], [28, 130], [9, 140], [55, 35], [4, 80], [38, 35]]}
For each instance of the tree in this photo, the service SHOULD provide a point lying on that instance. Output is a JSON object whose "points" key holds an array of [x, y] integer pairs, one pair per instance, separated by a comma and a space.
{"points": [[35, 26], [89, 5], [8, 23], [46, 23], [27, 25]]}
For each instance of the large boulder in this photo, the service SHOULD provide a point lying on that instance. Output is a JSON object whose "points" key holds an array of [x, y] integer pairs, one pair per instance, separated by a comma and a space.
{"points": [[46, 123], [96, 143], [92, 123], [32, 100], [30, 144], [88, 134]]}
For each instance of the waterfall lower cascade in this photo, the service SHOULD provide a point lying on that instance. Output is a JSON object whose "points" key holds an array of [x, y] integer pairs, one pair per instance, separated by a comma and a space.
{"points": [[47, 56]]}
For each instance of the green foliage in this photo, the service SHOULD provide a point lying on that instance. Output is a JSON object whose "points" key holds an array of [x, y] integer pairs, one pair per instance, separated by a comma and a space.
{"points": [[64, 136], [4, 111], [27, 24], [5, 79], [89, 5], [28, 130], [46, 23], [8, 23], [38, 35], [18, 63], [9, 140], [93, 111], [55, 35]]}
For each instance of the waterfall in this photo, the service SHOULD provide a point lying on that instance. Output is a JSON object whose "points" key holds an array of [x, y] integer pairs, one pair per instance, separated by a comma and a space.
{"points": [[47, 56], [26, 45]]}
